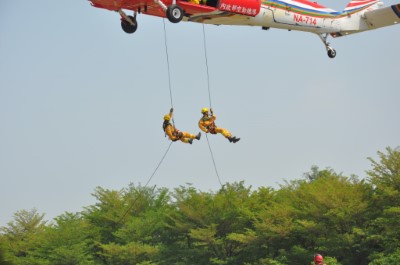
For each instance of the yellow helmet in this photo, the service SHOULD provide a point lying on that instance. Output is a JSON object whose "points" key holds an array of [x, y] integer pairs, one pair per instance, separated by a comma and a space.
{"points": [[167, 117], [204, 110]]}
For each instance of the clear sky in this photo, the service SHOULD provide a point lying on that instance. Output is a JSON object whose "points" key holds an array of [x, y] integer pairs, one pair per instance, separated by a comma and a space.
{"points": [[81, 103]]}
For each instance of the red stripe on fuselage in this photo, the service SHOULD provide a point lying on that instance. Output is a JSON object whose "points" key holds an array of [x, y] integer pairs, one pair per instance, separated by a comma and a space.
{"points": [[359, 3]]}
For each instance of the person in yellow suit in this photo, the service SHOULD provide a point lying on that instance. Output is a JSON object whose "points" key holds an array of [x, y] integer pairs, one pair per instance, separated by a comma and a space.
{"points": [[207, 125], [174, 134]]}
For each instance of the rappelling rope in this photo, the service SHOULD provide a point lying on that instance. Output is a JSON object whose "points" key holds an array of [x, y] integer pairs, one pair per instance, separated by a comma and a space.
{"points": [[147, 183], [208, 75], [215, 165], [209, 98], [173, 122], [159, 164], [169, 72]]}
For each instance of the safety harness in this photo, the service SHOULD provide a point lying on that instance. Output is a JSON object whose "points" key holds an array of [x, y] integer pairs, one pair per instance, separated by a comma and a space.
{"points": [[211, 127], [178, 134]]}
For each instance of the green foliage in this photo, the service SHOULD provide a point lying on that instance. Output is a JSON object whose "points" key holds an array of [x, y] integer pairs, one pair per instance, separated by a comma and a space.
{"points": [[385, 174], [67, 242], [4, 259], [217, 225], [331, 261], [127, 254], [20, 236], [357, 221], [384, 233], [318, 214], [392, 258]]}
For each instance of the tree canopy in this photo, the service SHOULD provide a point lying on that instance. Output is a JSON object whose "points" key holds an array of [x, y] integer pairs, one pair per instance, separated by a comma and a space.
{"points": [[346, 219]]}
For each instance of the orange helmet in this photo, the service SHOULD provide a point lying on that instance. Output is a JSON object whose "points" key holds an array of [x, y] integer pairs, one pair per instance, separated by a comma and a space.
{"points": [[318, 258]]}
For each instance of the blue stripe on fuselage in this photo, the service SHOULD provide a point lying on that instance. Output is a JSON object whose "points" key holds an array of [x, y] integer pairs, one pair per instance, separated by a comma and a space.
{"points": [[396, 9], [311, 10]]}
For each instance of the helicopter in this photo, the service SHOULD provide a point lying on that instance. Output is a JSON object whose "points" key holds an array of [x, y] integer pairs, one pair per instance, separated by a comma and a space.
{"points": [[300, 15]]}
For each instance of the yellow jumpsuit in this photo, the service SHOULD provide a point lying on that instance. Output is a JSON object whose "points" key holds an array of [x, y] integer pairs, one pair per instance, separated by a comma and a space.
{"points": [[175, 135], [207, 124]]}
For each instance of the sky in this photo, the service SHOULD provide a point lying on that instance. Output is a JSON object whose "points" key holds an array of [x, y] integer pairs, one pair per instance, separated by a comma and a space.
{"points": [[82, 103]]}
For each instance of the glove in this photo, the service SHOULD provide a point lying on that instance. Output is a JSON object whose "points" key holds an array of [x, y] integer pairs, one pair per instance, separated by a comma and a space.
{"points": [[171, 110], [211, 111]]}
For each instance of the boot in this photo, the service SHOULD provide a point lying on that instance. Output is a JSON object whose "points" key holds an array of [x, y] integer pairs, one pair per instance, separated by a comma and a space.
{"points": [[235, 139], [198, 136], [190, 141]]}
